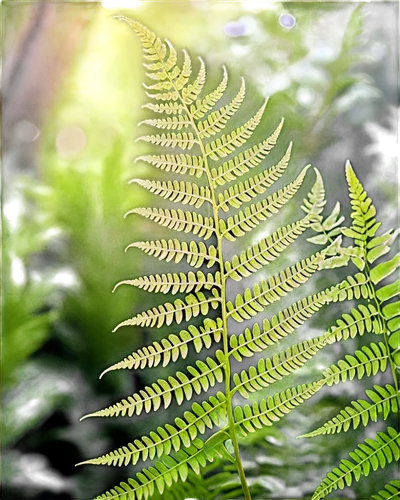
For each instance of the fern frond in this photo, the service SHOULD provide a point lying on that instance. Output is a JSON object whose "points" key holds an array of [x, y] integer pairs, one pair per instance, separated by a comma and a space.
{"points": [[362, 319], [384, 269], [174, 283], [367, 361], [186, 193], [166, 472], [170, 108], [285, 322], [205, 375], [268, 411], [391, 491], [380, 245], [268, 291], [169, 438], [217, 120], [270, 370], [363, 211], [178, 220], [247, 220], [244, 161], [180, 310], [243, 192], [191, 91], [227, 143], [200, 107], [171, 348], [182, 140], [384, 401], [171, 123], [178, 163], [264, 251], [356, 286], [371, 454], [315, 202], [196, 253]]}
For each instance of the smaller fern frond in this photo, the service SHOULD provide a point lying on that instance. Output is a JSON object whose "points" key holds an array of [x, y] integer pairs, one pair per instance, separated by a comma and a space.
{"points": [[243, 192], [270, 370], [177, 163], [264, 251], [363, 211], [367, 361], [196, 253], [178, 220], [226, 144], [186, 193], [172, 347], [203, 376], [175, 283], [315, 202], [391, 491], [169, 438], [268, 291], [249, 419], [371, 454], [246, 160], [180, 310], [247, 220], [384, 401]]}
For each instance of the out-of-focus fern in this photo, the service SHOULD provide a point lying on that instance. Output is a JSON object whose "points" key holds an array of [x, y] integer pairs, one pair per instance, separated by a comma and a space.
{"points": [[25, 328], [380, 316], [341, 76], [194, 141]]}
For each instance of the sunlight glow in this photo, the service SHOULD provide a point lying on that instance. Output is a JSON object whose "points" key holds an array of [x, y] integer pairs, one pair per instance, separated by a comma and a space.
{"points": [[121, 4]]}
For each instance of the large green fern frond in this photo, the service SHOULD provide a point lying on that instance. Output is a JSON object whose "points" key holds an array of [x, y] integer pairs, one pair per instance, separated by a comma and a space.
{"points": [[194, 137]]}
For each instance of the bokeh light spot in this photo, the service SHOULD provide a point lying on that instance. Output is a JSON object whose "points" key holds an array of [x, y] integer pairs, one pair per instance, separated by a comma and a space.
{"points": [[70, 141], [235, 28], [26, 131], [287, 21]]}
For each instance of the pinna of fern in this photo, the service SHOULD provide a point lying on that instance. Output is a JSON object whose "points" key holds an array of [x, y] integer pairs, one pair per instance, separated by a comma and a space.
{"points": [[194, 141], [384, 305]]}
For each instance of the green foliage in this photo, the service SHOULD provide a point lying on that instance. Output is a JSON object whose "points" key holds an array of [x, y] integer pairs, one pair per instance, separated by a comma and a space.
{"points": [[26, 327], [380, 318], [180, 452]]}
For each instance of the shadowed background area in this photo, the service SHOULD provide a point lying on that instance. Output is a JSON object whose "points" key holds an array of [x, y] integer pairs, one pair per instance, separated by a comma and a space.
{"points": [[71, 101]]}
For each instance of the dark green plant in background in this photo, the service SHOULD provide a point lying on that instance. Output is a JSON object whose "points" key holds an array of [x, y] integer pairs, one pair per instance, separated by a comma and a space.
{"points": [[191, 118]]}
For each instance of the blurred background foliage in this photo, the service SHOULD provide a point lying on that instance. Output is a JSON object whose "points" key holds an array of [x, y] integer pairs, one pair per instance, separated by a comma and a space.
{"points": [[71, 98]]}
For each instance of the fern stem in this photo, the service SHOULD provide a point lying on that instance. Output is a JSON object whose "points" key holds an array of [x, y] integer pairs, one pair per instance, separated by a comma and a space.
{"points": [[224, 315], [215, 209], [385, 334]]}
